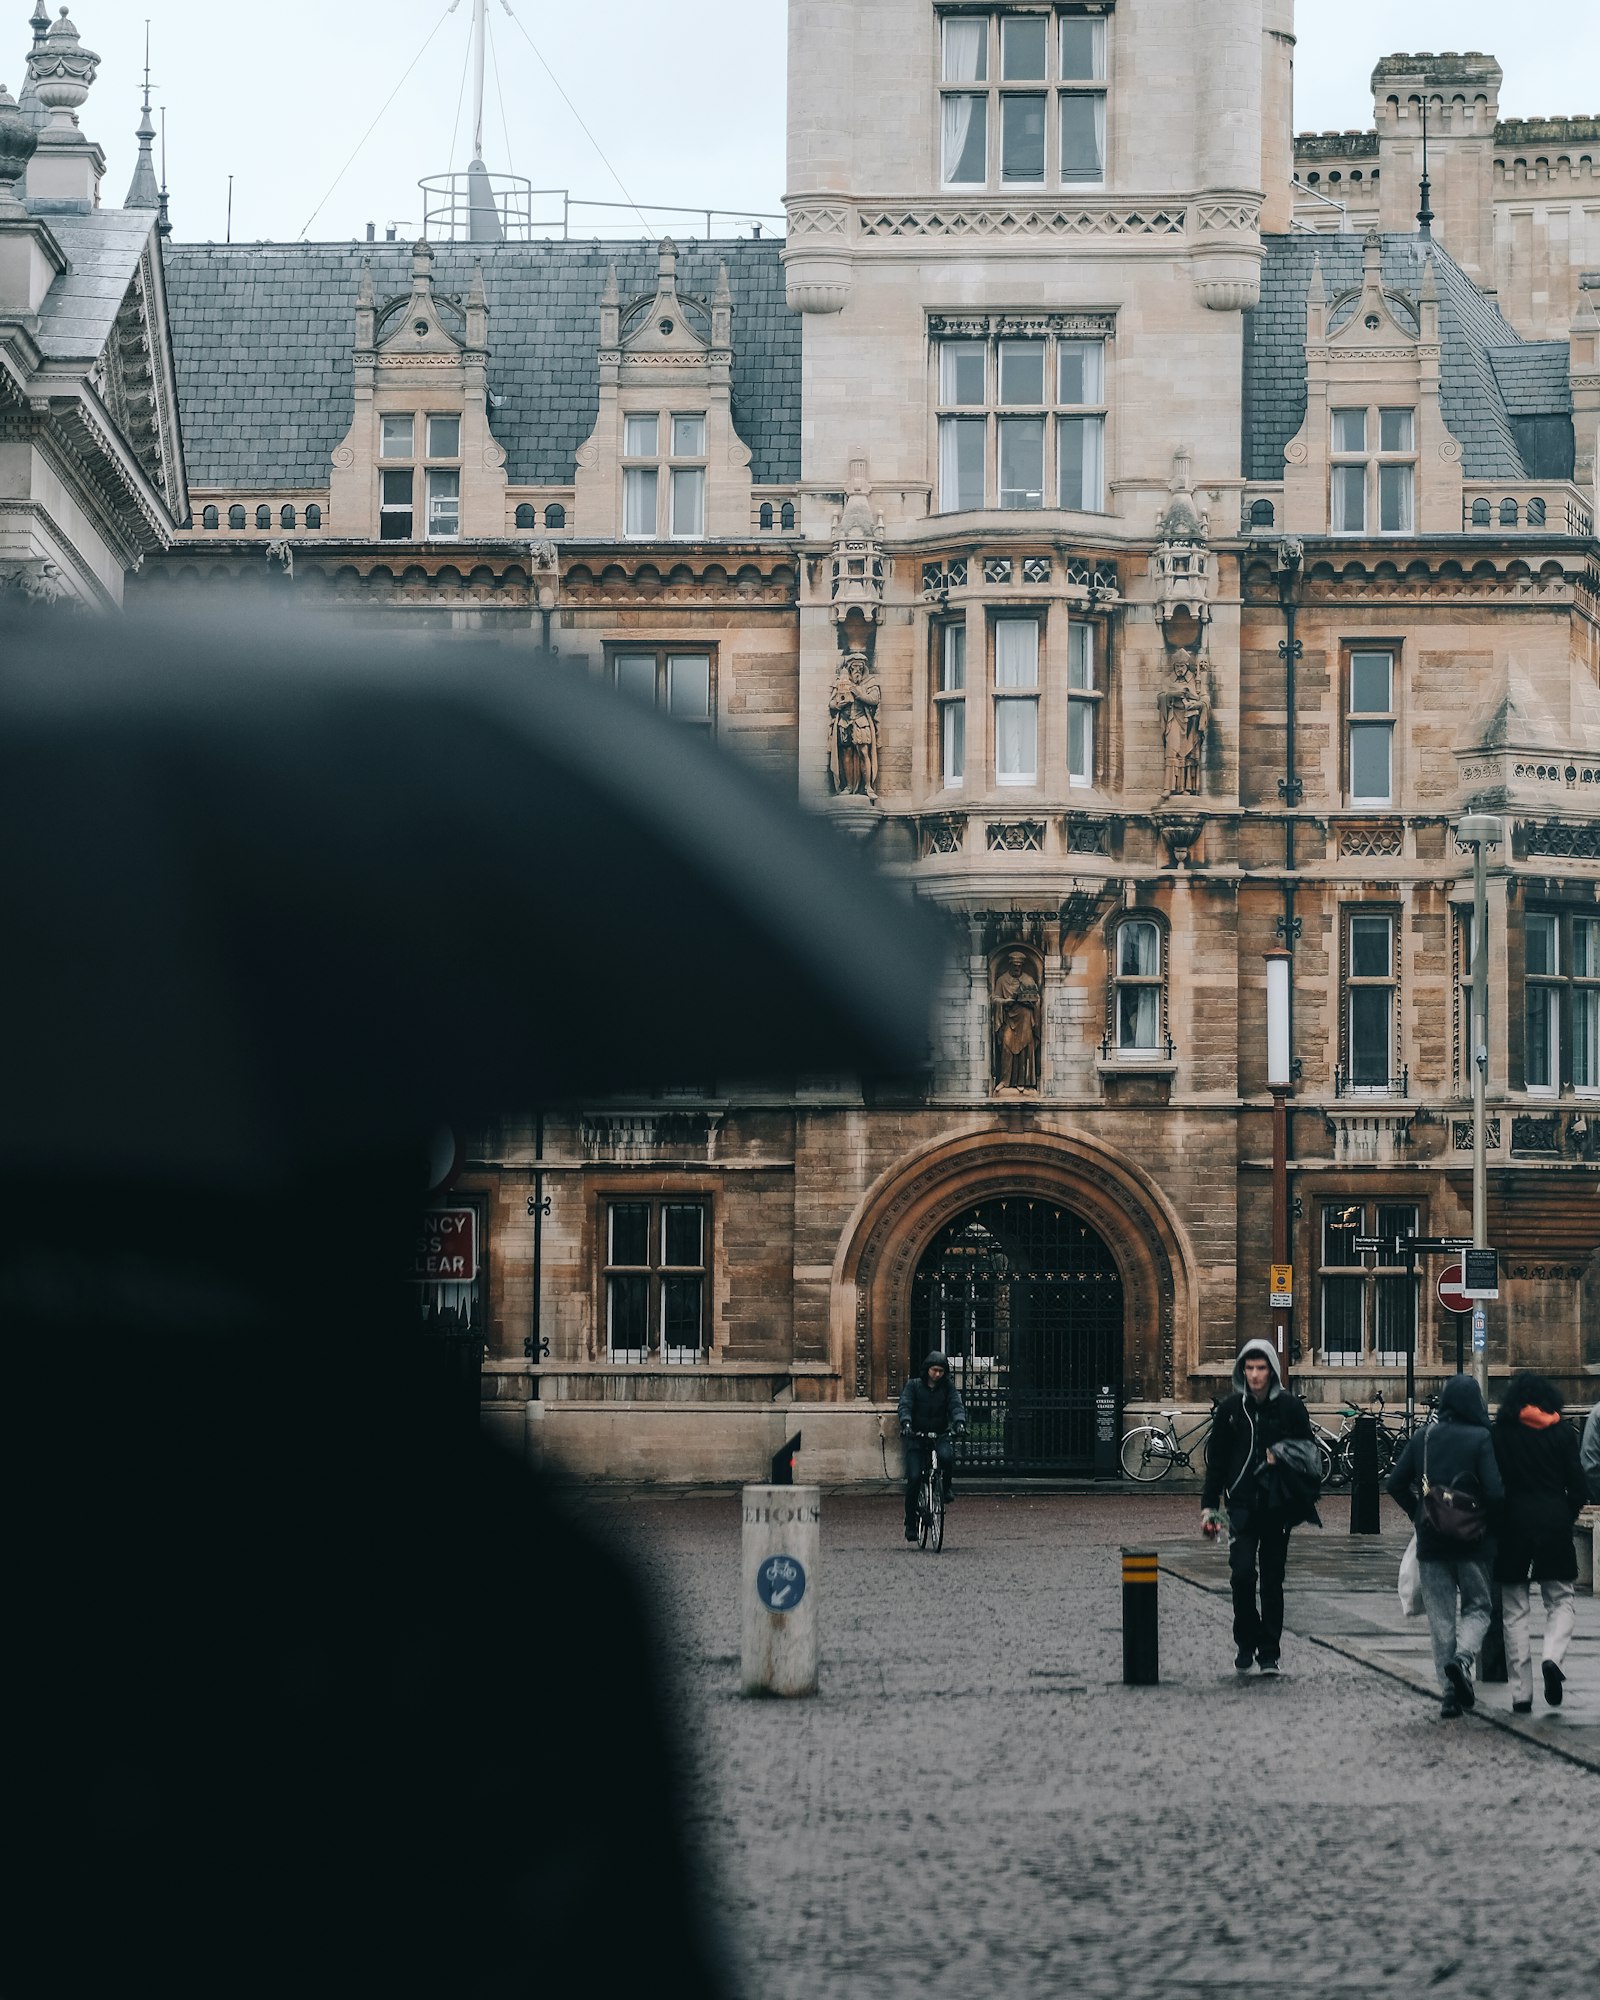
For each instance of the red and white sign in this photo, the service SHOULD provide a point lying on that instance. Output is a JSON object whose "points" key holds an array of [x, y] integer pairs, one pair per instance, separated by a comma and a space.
{"points": [[447, 1248], [1451, 1296]]}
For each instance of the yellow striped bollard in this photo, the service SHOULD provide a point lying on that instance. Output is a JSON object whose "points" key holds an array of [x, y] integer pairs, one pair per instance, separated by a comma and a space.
{"points": [[1141, 1639]]}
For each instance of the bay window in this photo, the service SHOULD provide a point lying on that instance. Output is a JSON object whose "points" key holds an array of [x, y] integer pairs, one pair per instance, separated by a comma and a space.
{"points": [[1036, 78], [1021, 418]]}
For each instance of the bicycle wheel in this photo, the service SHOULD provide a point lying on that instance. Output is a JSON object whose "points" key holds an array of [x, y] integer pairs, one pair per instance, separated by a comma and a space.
{"points": [[936, 1520], [924, 1509], [1147, 1453], [1325, 1461]]}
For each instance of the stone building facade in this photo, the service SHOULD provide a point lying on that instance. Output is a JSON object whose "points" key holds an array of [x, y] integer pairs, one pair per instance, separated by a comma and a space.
{"points": [[1146, 581]]}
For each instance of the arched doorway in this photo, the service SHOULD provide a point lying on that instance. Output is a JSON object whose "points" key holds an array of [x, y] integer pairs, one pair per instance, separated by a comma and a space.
{"points": [[1027, 1300]]}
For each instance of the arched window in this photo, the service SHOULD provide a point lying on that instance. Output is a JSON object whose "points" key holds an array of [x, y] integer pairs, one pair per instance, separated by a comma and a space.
{"points": [[210, 518], [1262, 514], [1508, 513], [313, 516], [555, 515], [1138, 989], [286, 517], [1535, 514], [525, 516], [236, 517], [1480, 513], [263, 517], [786, 514], [766, 516]]}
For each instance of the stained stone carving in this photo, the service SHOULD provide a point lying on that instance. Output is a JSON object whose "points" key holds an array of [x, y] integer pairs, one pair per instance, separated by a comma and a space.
{"points": [[1185, 723], [1015, 1009], [853, 729]]}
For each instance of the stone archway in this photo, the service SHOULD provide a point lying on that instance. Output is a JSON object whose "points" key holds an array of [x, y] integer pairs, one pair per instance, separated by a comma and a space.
{"points": [[904, 1212]]}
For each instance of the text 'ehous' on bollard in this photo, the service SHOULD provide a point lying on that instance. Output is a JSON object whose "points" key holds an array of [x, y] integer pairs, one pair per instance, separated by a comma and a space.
{"points": [[1141, 1637], [782, 1536]]}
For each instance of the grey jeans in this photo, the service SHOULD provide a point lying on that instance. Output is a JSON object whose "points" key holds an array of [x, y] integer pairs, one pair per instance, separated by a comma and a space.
{"points": [[1457, 1635]]}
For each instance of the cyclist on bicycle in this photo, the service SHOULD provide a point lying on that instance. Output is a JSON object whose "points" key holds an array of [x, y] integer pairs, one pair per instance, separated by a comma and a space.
{"points": [[930, 1405]]}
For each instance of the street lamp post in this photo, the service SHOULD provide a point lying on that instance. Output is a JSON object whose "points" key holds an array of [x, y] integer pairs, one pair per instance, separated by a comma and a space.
{"points": [[1479, 831], [1280, 1080]]}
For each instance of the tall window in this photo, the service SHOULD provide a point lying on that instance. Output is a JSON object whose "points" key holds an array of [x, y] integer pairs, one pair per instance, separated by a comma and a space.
{"points": [[1016, 701], [1023, 98], [1369, 1313], [676, 683], [1138, 980], [664, 458], [397, 486], [1561, 1001], [950, 704], [1369, 729], [400, 478], [655, 1280], [1083, 697], [1022, 423], [1373, 471], [1369, 1000]]}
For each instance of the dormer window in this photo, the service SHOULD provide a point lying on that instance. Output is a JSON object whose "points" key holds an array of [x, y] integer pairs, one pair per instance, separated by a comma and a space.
{"points": [[444, 437], [438, 486], [1374, 471], [397, 437], [682, 474]]}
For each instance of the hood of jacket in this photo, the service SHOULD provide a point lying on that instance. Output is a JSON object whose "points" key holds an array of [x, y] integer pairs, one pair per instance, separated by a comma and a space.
{"points": [[1265, 1351], [1461, 1402], [935, 1360]]}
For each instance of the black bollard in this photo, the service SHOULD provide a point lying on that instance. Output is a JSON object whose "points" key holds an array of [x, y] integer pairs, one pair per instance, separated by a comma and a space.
{"points": [[1141, 1630], [782, 1473], [1364, 1478], [1492, 1660]]}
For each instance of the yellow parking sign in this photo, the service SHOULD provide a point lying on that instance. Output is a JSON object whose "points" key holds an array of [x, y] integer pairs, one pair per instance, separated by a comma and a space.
{"points": [[1282, 1286]]}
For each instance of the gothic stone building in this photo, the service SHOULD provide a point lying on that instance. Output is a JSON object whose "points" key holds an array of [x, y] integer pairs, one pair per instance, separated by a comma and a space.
{"points": [[1149, 581]]}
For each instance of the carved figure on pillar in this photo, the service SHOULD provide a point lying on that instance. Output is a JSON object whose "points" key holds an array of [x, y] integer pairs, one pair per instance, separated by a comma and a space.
{"points": [[853, 704], [1185, 723], [1015, 1006]]}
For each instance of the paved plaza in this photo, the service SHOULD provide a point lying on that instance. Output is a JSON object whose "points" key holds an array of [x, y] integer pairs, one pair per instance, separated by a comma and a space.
{"points": [[975, 1804]]}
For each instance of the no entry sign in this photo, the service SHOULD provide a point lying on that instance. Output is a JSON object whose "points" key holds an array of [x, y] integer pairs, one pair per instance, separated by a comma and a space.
{"points": [[1451, 1295]]}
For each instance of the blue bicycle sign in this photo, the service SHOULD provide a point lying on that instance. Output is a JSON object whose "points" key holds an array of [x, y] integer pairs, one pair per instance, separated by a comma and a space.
{"points": [[781, 1583]]}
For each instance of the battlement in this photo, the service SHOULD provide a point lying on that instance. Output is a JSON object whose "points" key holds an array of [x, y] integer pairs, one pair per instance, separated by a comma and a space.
{"points": [[1465, 67], [1336, 145], [1511, 133]]}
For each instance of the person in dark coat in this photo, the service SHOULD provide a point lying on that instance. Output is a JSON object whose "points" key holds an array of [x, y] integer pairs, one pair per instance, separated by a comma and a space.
{"points": [[931, 1404], [1538, 1458], [1259, 1415], [1590, 1454], [1455, 1452]]}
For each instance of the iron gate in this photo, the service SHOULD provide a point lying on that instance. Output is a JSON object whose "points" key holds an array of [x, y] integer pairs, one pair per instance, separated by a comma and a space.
{"points": [[1026, 1299]]}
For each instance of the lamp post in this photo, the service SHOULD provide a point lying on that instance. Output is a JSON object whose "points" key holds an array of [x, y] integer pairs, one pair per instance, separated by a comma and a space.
{"points": [[1479, 831], [1280, 1080]]}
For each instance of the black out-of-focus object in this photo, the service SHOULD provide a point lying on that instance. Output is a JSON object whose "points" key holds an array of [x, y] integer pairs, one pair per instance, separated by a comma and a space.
{"points": [[1364, 1477], [311, 1691], [783, 1458], [280, 896]]}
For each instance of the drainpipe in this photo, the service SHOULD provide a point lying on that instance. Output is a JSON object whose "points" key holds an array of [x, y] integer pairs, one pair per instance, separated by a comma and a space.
{"points": [[1291, 558]]}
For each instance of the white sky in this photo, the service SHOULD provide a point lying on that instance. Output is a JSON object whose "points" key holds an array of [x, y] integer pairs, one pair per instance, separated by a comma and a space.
{"points": [[685, 97]]}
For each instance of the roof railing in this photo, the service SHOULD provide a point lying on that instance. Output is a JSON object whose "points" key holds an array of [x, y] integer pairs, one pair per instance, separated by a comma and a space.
{"points": [[457, 208]]}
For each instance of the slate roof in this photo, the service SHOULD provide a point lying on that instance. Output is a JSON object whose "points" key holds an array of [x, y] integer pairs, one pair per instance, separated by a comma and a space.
{"points": [[264, 333], [1487, 374], [103, 251]]}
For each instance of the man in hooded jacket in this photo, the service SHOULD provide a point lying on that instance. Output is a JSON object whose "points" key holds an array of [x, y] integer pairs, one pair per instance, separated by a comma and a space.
{"points": [[1250, 1424], [930, 1404]]}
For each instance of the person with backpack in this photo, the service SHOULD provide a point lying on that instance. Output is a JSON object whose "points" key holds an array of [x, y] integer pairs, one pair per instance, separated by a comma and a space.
{"points": [[1448, 1482], [1538, 1458], [1251, 1429]]}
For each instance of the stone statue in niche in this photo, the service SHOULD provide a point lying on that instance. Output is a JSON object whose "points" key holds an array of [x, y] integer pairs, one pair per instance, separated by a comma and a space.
{"points": [[853, 703], [1015, 1003], [1185, 722]]}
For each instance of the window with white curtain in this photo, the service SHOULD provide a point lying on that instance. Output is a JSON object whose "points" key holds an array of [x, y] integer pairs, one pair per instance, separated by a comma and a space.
{"points": [[1016, 701], [1138, 979], [1023, 94], [1022, 422], [1083, 697], [664, 473], [1372, 473], [1561, 1004], [950, 702]]}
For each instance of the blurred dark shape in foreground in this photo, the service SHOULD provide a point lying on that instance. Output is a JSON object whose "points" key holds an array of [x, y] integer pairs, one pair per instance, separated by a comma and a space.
{"points": [[309, 1690]]}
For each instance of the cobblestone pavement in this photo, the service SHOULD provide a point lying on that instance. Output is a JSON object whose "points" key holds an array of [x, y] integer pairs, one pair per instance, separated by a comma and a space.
{"points": [[975, 1804]]}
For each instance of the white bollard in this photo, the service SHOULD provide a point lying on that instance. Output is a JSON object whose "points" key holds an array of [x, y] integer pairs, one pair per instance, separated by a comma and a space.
{"points": [[778, 1589]]}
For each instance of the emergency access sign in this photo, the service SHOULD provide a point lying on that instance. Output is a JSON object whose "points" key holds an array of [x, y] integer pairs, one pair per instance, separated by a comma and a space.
{"points": [[447, 1248]]}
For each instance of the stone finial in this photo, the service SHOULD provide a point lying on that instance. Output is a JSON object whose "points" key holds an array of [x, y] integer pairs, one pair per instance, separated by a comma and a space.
{"points": [[477, 295], [477, 311], [611, 311], [422, 265], [1316, 303], [40, 22], [1372, 257], [667, 266], [366, 293], [722, 310], [1428, 290], [145, 190], [18, 141], [61, 70]]}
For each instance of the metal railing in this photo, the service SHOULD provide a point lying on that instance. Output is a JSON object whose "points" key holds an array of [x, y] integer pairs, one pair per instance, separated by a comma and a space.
{"points": [[1344, 1085], [525, 212]]}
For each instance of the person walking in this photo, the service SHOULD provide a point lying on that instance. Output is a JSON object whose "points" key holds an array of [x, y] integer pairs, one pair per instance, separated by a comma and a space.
{"points": [[1454, 1456], [930, 1406], [1250, 1424], [1543, 1475], [1590, 1454]]}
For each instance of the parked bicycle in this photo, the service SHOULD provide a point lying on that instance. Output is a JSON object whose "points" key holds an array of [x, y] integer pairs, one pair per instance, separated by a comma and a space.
{"points": [[1394, 1432], [1150, 1451], [930, 1495]]}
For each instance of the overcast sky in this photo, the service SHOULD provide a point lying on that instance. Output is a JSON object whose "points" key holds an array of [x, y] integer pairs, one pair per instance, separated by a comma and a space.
{"points": [[683, 97]]}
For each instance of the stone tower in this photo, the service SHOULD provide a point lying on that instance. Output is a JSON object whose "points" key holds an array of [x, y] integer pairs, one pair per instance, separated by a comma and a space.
{"points": [[1462, 96]]}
